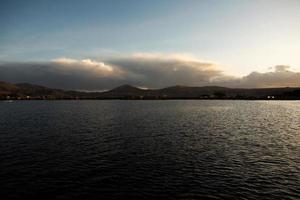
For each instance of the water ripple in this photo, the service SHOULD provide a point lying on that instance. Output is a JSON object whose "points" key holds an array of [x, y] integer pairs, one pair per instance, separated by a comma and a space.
{"points": [[150, 149]]}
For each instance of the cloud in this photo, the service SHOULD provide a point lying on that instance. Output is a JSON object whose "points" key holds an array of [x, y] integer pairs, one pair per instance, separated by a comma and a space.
{"points": [[281, 76], [86, 64], [62, 73], [148, 70], [159, 70]]}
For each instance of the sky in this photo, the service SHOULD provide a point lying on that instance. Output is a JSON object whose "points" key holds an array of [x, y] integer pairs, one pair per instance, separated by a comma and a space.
{"points": [[136, 41]]}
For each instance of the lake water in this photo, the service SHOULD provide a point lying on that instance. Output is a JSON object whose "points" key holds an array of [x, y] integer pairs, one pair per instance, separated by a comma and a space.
{"points": [[150, 149]]}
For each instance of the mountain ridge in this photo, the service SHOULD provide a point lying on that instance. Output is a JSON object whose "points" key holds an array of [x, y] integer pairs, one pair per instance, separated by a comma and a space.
{"points": [[126, 91]]}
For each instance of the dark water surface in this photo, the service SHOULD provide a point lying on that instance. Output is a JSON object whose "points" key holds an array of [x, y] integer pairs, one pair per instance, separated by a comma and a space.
{"points": [[150, 149]]}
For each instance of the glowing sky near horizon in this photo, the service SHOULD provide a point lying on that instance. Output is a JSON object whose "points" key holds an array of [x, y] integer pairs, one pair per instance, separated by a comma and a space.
{"points": [[242, 36]]}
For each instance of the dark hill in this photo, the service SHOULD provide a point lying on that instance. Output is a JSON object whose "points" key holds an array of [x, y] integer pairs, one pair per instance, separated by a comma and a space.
{"points": [[7, 88], [25, 90], [30, 91], [125, 89], [190, 92]]}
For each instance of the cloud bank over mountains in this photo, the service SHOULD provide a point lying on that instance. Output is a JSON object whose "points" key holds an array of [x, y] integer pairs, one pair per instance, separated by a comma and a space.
{"points": [[280, 76], [142, 69]]}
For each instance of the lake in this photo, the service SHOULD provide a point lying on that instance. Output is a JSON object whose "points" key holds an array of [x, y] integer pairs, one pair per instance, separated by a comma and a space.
{"points": [[176, 149]]}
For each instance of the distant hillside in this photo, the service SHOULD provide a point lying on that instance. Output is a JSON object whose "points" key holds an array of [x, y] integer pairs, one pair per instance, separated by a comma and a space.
{"points": [[30, 91], [25, 90], [7, 88], [124, 90]]}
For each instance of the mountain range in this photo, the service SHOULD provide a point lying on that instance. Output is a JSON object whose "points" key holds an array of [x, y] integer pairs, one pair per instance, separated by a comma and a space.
{"points": [[31, 91]]}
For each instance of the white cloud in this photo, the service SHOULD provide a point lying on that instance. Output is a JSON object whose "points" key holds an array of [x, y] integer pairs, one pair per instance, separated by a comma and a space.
{"points": [[64, 61], [88, 64]]}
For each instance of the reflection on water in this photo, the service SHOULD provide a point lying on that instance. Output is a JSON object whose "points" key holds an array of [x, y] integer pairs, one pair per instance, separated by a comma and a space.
{"points": [[150, 149]]}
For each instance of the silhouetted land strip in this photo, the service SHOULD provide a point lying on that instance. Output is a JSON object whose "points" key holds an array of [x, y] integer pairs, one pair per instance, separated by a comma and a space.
{"points": [[25, 91]]}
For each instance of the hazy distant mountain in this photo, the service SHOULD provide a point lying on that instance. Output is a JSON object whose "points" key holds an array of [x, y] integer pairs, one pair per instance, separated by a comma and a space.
{"points": [[25, 91]]}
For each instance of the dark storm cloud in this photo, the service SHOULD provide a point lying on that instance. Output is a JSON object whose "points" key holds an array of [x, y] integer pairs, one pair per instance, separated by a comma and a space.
{"points": [[145, 70], [154, 70], [58, 74]]}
